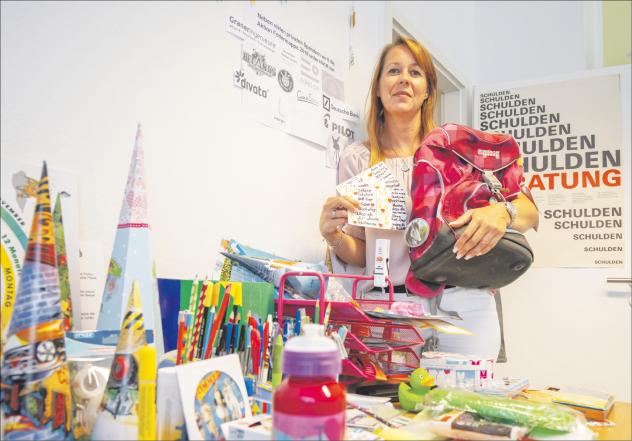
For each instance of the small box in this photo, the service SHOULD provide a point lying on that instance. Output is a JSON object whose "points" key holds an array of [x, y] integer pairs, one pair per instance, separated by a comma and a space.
{"points": [[470, 372], [596, 405]]}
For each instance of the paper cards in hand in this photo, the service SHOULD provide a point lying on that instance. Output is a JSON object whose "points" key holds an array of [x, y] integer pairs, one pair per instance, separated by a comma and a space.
{"points": [[382, 198]]}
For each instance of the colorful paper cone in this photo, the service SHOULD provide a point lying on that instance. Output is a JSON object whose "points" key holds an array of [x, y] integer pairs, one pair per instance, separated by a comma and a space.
{"points": [[130, 255], [62, 266], [35, 390], [118, 414]]}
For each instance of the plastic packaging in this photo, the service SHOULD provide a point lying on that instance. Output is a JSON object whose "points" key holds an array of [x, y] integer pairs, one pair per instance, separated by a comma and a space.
{"points": [[408, 308], [88, 377], [469, 426], [524, 413], [310, 403]]}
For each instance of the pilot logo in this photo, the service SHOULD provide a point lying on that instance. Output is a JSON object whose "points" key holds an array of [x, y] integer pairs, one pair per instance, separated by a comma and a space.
{"points": [[285, 80], [241, 81], [344, 131], [326, 118], [326, 103], [258, 63]]}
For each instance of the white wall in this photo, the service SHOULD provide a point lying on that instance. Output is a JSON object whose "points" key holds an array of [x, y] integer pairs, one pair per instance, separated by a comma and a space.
{"points": [[76, 77]]}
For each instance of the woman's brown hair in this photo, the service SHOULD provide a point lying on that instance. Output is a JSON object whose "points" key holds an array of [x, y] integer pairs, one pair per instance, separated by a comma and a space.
{"points": [[375, 120]]}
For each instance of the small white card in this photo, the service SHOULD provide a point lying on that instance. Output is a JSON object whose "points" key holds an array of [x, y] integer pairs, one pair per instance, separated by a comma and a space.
{"points": [[213, 392], [382, 198]]}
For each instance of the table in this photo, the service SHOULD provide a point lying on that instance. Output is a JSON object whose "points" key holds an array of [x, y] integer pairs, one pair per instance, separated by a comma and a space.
{"points": [[621, 414]]}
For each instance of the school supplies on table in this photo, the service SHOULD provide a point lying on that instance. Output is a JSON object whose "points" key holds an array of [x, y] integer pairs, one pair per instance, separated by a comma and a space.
{"points": [[257, 297]]}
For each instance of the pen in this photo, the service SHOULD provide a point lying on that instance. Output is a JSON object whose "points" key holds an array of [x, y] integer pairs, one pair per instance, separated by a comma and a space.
{"points": [[276, 361], [188, 321], [327, 313], [229, 334], [237, 297], [207, 332], [181, 336], [255, 343], [246, 349], [220, 341], [235, 343], [297, 323], [242, 336], [264, 355]]}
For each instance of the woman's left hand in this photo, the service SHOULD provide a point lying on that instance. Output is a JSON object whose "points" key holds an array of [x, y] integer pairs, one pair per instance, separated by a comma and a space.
{"points": [[487, 225]]}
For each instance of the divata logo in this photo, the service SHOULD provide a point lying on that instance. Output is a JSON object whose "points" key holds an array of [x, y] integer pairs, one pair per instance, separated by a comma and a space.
{"points": [[258, 63], [241, 81]]}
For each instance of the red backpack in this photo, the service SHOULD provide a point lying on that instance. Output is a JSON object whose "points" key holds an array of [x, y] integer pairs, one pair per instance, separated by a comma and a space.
{"points": [[457, 168]]}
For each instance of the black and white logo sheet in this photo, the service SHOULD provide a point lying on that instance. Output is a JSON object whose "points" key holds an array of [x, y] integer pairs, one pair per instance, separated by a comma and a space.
{"points": [[291, 84], [570, 136]]}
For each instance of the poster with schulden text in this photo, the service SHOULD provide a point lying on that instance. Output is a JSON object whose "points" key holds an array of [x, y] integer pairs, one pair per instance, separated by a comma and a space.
{"points": [[570, 136]]}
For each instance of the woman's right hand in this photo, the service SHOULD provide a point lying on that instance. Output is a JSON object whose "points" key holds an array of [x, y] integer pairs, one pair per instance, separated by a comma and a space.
{"points": [[335, 214]]}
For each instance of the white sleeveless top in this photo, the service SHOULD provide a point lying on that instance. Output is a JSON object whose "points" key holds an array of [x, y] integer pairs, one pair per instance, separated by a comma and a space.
{"points": [[353, 160]]}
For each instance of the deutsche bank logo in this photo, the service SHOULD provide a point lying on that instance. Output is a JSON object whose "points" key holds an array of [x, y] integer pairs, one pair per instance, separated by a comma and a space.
{"points": [[326, 103]]}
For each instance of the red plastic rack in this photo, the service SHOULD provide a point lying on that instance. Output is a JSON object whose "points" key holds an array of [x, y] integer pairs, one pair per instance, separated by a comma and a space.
{"points": [[395, 349]]}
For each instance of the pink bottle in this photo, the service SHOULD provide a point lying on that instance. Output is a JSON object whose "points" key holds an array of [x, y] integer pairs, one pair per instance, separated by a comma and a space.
{"points": [[310, 403]]}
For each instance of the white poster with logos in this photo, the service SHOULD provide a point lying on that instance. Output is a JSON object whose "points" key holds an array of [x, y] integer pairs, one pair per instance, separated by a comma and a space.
{"points": [[570, 136], [289, 84]]}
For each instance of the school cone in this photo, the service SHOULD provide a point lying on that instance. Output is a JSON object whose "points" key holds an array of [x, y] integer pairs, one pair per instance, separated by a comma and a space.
{"points": [[131, 259], [35, 389], [118, 413], [62, 266]]}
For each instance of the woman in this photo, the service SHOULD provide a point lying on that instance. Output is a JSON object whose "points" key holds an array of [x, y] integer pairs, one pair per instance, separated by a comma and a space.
{"points": [[403, 96]]}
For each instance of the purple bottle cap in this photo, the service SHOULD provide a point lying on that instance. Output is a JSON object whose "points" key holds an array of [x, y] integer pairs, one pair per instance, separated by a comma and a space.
{"points": [[312, 354]]}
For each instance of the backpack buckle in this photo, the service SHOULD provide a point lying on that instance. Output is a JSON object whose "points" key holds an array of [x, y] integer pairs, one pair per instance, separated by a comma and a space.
{"points": [[492, 182]]}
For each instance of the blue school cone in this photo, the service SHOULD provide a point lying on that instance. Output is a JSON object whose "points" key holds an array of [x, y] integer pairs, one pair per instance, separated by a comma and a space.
{"points": [[35, 392], [131, 259], [118, 413]]}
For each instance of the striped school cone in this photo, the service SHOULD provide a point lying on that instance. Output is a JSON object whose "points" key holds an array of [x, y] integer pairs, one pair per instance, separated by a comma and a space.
{"points": [[62, 266], [131, 258], [118, 413], [35, 390]]}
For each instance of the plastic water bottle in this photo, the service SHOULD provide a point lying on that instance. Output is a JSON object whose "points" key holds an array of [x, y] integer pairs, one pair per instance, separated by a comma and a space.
{"points": [[310, 403]]}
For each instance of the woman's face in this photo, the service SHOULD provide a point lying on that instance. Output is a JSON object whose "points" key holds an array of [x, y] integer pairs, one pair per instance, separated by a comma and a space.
{"points": [[403, 87]]}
